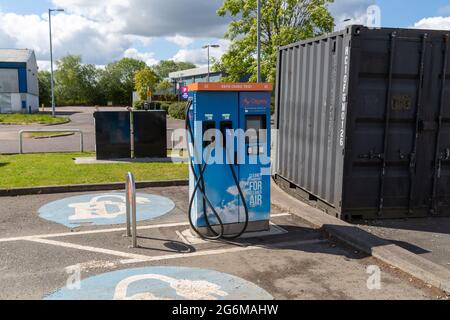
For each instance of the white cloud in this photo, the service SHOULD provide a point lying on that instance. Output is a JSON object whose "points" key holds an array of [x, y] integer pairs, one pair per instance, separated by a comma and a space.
{"points": [[154, 18], [438, 23], [71, 34], [147, 57], [355, 10], [180, 40], [44, 65], [199, 56]]}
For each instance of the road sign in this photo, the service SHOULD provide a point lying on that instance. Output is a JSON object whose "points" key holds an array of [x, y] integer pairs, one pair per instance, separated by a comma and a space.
{"points": [[185, 92]]}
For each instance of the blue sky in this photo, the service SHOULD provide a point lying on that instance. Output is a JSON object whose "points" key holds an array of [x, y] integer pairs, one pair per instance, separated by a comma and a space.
{"points": [[151, 30]]}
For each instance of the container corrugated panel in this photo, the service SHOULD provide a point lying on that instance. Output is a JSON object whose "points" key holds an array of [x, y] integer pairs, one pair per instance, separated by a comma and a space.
{"points": [[364, 122]]}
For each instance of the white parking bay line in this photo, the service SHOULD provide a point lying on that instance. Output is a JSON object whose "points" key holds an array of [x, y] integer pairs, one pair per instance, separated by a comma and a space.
{"points": [[142, 258], [109, 230], [91, 249], [222, 251]]}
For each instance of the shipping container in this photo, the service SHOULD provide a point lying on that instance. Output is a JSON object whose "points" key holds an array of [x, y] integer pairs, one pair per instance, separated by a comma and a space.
{"points": [[363, 119]]}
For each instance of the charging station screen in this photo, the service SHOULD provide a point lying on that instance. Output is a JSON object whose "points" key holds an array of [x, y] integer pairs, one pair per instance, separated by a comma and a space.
{"points": [[255, 123]]}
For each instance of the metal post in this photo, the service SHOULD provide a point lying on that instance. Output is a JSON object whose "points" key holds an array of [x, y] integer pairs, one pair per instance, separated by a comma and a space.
{"points": [[51, 62], [51, 57], [81, 142], [20, 142], [258, 45], [127, 192], [208, 46], [208, 64], [131, 208]]}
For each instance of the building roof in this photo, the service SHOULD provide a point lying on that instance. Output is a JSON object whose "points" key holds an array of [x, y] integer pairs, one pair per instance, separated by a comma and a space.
{"points": [[15, 55], [189, 73]]}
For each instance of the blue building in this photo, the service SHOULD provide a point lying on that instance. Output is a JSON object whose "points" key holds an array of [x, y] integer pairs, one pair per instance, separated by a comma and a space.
{"points": [[19, 85]]}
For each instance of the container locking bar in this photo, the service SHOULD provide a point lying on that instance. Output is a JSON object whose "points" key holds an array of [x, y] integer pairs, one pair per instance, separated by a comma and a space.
{"points": [[387, 119], [438, 156], [413, 155]]}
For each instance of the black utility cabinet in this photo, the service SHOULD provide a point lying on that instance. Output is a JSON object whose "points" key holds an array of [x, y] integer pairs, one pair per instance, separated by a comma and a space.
{"points": [[364, 122], [150, 134], [112, 135]]}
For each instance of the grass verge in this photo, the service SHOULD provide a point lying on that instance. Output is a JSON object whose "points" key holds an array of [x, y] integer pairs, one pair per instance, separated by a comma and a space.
{"points": [[54, 169], [32, 119]]}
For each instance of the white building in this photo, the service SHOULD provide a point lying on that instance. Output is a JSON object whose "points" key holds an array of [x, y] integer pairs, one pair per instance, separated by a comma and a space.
{"points": [[19, 85]]}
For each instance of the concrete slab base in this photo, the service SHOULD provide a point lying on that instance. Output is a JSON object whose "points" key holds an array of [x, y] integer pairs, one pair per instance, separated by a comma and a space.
{"points": [[188, 237]]}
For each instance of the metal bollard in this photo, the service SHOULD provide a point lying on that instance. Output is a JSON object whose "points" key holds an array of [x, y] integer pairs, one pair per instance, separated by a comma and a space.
{"points": [[130, 195]]}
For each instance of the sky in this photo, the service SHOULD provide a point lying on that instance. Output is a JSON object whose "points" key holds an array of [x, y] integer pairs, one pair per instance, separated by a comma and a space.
{"points": [[103, 31]]}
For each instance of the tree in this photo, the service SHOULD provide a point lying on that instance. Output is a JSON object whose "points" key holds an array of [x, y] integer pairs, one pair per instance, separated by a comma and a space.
{"points": [[145, 80], [282, 22], [45, 89], [76, 83], [164, 87], [164, 67], [117, 80]]}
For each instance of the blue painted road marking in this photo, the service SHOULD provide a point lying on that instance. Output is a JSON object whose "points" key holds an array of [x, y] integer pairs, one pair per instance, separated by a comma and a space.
{"points": [[103, 209], [159, 283]]}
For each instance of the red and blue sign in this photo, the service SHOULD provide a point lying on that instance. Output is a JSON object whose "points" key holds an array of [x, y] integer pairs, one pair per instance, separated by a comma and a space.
{"points": [[185, 92]]}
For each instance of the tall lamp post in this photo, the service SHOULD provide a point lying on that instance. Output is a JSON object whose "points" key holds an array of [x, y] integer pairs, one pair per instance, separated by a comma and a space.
{"points": [[51, 57], [207, 47], [258, 44]]}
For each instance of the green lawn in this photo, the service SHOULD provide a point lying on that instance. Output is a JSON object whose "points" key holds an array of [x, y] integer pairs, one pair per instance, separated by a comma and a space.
{"points": [[48, 169], [31, 118]]}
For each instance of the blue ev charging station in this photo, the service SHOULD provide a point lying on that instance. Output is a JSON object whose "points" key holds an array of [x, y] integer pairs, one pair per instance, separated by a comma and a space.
{"points": [[228, 128]]}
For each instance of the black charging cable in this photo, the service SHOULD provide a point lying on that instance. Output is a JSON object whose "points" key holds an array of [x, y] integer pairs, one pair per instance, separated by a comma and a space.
{"points": [[199, 185]]}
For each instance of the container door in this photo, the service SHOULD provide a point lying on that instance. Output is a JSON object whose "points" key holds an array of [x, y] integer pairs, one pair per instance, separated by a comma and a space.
{"points": [[436, 128], [386, 173]]}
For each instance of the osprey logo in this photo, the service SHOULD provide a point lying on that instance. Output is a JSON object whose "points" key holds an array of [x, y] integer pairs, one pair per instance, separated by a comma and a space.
{"points": [[254, 102]]}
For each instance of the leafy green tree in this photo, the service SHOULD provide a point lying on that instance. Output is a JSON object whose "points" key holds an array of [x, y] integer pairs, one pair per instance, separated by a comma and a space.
{"points": [[117, 80], [164, 87], [75, 82], [145, 80], [45, 89], [282, 22], [164, 67]]}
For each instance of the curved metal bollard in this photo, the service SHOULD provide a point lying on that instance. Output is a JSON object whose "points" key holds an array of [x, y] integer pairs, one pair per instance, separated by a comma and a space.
{"points": [[130, 195]]}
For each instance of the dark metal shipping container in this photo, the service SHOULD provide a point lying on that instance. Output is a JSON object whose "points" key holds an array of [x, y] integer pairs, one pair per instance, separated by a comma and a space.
{"points": [[112, 135], [364, 122], [150, 134]]}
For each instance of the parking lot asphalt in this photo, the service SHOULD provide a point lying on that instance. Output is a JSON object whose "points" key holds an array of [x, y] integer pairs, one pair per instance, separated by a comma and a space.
{"points": [[81, 118], [299, 264]]}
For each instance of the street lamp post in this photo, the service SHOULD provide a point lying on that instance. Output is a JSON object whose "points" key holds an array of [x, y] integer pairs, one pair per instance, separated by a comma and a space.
{"points": [[258, 44], [51, 57], [207, 47]]}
